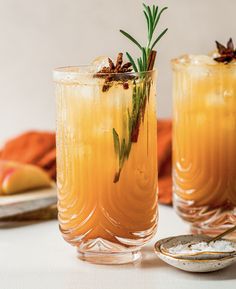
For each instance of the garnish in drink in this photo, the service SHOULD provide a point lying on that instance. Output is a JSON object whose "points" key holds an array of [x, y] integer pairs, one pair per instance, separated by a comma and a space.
{"points": [[227, 54], [143, 64]]}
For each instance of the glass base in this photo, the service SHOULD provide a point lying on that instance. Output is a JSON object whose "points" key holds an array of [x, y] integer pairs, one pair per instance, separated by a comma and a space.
{"points": [[207, 220], [109, 258], [195, 229]]}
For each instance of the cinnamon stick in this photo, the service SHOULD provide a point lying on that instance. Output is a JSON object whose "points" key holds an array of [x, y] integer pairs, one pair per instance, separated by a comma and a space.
{"points": [[151, 60]]}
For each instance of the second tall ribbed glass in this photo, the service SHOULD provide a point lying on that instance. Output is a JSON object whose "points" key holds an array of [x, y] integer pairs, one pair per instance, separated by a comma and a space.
{"points": [[204, 142], [106, 182]]}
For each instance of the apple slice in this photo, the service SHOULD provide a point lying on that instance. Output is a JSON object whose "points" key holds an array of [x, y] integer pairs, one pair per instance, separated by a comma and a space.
{"points": [[16, 177]]}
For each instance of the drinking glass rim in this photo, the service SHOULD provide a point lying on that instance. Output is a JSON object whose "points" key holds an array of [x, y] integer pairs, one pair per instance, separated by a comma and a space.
{"points": [[176, 63], [74, 70]]}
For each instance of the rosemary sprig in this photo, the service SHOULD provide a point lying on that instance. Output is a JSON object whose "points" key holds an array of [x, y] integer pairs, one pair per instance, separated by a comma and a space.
{"points": [[140, 92], [152, 15]]}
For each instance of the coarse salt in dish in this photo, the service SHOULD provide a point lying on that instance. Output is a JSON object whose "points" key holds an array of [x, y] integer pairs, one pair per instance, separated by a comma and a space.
{"points": [[216, 246]]}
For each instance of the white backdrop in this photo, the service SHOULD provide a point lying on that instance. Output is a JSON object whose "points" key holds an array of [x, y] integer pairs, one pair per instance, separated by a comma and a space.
{"points": [[36, 36]]}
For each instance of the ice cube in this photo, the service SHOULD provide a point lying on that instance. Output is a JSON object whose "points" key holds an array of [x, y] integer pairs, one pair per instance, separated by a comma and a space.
{"points": [[215, 99], [196, 59], [100, 62], [201, 59], [197, 65], [213, 54], [87, 92], [228, 94], [183, 58], [82, 75], [104, 126]]}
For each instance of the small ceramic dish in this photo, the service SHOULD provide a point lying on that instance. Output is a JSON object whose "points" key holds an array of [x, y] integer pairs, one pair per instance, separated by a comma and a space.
{"points": [[185, 239], [193, 265]]}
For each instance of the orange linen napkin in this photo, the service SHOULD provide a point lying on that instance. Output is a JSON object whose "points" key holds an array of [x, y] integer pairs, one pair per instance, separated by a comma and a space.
{"points": [[164, 149], [33, 147], [39, 148]]}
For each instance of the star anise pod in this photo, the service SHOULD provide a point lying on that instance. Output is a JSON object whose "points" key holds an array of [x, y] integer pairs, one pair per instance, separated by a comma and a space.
{"points": [[111, 73], [227, 54]]}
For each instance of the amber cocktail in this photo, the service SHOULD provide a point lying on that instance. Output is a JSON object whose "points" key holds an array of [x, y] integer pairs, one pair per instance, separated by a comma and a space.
{"points": [[204, 142], [106, 166]]}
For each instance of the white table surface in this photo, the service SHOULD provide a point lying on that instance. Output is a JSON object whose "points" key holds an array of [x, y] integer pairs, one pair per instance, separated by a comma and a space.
{"points": [[36, 257]]}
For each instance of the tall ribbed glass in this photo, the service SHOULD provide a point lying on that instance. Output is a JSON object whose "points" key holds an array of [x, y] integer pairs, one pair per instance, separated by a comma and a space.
{"points": [[107, 218], [204, 144]]}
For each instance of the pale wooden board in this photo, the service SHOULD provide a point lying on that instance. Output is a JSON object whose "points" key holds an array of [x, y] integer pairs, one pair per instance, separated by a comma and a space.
{"points": [[15, 205], [30, 195]]}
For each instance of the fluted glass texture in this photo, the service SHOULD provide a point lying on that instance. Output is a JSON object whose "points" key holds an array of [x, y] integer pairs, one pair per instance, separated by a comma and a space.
{"points": [[97, 214], [204, 145]]}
